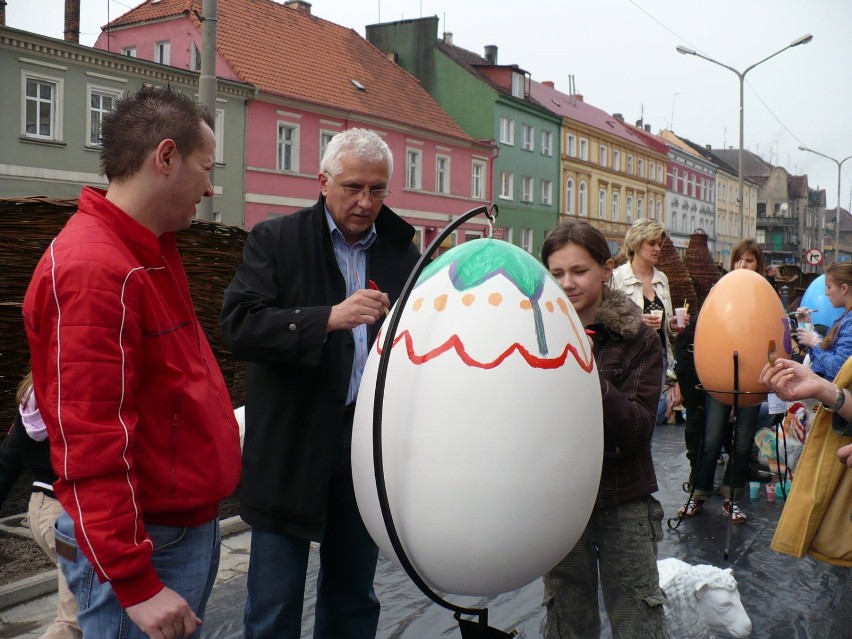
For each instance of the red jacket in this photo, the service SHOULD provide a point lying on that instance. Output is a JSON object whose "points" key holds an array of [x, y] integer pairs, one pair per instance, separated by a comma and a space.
{"points": [[140, 422]]}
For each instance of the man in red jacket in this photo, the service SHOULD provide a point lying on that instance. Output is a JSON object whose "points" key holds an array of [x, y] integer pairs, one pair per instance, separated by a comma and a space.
{"points": [[143, 436]]}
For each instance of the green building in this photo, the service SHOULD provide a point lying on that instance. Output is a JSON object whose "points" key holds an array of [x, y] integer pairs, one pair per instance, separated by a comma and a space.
{"points": [[490, 102]]}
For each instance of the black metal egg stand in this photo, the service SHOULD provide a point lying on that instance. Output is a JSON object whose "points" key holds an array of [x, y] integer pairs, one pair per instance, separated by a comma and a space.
{"points": [[469, 629]]}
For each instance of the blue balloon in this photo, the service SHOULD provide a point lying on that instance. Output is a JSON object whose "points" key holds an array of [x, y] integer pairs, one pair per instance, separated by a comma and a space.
{"points": [[816, 299]]}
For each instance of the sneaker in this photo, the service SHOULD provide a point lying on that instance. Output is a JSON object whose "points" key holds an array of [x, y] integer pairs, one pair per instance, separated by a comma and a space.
{"points": [[691, 508], [736, 514]]}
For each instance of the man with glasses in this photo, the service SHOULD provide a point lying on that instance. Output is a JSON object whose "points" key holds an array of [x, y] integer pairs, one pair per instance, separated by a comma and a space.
{"points": [[303, 309]]}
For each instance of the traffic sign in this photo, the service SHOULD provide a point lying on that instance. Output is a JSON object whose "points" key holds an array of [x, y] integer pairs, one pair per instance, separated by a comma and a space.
{"points": [[813, 257]]}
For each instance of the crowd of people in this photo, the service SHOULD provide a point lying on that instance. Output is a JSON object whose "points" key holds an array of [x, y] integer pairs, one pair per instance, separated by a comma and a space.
{"points": [[133, 441]]}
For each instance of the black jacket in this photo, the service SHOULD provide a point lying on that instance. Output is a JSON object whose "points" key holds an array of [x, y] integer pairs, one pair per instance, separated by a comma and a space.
{"points": [[630, 365], [274, 316], [19, 452]]}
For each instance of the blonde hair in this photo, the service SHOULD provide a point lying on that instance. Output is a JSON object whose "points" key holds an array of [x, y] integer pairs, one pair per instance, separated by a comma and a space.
{"points": [[25, 389], [840, 274], [643, 230]]}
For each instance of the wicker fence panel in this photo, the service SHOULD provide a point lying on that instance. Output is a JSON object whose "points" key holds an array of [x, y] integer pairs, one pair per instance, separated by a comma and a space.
{"points": [[211, 252], [680, 281], [699, 262]]}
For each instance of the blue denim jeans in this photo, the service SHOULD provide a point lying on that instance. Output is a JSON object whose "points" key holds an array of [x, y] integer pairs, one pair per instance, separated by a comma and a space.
{"points": [[346, 605], [716, 429], [186, 560]]}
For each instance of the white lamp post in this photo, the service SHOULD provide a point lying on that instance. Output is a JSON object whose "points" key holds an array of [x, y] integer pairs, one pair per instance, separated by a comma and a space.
{"points": [[682, 49], [839, 164]]}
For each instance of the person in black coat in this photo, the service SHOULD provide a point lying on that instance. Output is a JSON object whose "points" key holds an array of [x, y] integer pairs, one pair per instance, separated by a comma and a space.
{"points": [[303, 309]]}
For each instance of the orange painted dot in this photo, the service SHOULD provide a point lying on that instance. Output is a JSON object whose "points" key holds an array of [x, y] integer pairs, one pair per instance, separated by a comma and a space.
{"points": [[526, 305], [468, 299], [495, 299], [417, 304], [440, 302], [563, 306], [549, 306]]}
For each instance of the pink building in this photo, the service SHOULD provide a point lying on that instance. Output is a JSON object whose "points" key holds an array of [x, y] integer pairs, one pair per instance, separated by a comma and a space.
{"points": [[314, 79]]}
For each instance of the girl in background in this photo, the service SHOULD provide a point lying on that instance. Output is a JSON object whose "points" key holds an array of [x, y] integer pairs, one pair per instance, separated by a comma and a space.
{"points": [[620, 539]]}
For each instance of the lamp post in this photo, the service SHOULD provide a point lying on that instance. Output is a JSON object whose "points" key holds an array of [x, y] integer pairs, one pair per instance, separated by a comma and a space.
{"points": [[685, 51], [839, 164]]}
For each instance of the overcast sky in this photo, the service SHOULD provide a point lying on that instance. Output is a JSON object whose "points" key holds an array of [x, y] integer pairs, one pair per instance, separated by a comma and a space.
{"points": [[623, 59]]}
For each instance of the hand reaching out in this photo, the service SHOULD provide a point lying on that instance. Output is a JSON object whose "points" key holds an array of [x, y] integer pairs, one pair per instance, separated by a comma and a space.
{"points": [[364, 306]]}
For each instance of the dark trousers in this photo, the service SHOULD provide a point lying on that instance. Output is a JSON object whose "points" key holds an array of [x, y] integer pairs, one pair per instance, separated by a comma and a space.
{"points": [[346, 607]]}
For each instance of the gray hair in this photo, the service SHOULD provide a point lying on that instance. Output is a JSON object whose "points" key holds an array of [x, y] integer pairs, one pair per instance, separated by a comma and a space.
{"points": [[363, 144]]}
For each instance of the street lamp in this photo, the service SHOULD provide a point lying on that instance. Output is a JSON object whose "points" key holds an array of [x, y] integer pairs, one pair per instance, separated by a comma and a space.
{"points": [[682, 49], [839, 164]]}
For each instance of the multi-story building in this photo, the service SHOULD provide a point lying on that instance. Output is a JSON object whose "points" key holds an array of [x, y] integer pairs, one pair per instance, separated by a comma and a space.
{"points": [[490, 101], [56, 93], [691, 196], [313, 78], [790, 216], [609, 176]]}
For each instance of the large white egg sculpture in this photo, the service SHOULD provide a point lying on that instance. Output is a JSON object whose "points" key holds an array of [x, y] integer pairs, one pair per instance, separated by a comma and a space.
{"points": [[492, 424]]}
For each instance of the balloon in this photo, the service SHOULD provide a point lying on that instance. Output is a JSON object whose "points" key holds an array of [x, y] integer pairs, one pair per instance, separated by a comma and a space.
{"points": [[742, 314], [492, 423], [816, 299]]}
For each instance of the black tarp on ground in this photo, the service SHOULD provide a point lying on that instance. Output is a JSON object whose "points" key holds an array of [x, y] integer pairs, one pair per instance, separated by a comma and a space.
{"points": [[786, 598]]}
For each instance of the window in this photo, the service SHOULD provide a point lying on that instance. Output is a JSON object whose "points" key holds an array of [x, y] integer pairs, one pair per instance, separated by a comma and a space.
{"points": [[527, 240], [660, 210], [506, 180], [602, 203], [546, 192], [195, 62], [288, 141], [660, 173], [572, 146], [477, 180], [584, 199], [584, 149], [413, 168], [526, 189], [630, 165], [629, 210], [101, 102], [569, 197], [604, 159], [517, 85], [616, 160], [507, 131], [616, 206], [674, 179], [42, 107], [641, 168], [442, 174], [130, 52], [528, 137], [418, 238], [220, 136], [640, 208], [324, 139], [651, 208], [547, 143], [652, 172], [163, 52]]}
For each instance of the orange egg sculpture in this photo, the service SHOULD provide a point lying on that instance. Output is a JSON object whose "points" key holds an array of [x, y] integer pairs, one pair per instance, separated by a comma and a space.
{"points": [[742, 314]]}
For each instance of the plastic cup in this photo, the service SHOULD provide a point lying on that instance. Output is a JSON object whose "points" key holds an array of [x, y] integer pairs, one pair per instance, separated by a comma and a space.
{"points": [[680, 318], [770, 492], [658, 315], [754, 490]]}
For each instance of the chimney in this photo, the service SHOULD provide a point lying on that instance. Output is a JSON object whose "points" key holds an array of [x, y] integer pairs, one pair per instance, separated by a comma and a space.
{"points": [[578, 96], [448, 37], [2, 13], [491, 53], [299, 5], [647, 128], [548, 83], [618, 116], [708, 147], [639, 123], [72, 21]]}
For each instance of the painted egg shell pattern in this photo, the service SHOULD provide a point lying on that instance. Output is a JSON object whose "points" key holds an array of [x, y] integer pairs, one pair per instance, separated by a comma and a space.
{"points": [[491, 424], [742, 313]]}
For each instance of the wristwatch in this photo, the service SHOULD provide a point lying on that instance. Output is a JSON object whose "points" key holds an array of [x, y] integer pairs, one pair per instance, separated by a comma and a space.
{"points": [[838, 402]]}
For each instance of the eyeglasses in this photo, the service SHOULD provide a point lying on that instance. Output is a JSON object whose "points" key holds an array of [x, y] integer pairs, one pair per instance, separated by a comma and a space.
{"points": [[377, 195]]}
